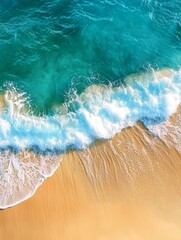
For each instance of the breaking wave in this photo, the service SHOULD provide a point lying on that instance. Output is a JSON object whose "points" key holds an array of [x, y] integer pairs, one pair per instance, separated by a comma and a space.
{"points": [[31, 146]]}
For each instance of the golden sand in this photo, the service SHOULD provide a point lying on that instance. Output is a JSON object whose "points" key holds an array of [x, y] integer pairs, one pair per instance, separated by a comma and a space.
{"points": [[127, 188]]}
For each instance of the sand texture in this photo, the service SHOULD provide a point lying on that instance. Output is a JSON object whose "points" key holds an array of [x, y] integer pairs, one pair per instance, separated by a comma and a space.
{"points": [[127, 188]]}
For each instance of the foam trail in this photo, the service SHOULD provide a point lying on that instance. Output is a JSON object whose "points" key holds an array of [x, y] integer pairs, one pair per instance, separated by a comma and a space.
{"points": [[21, 174]]}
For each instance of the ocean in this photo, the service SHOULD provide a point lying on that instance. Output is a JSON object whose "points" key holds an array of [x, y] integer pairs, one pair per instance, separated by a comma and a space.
{"points": [[76, 71]]}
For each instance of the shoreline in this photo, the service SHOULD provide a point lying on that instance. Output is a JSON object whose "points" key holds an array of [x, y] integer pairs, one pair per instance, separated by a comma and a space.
{"points": [[24, 171], [123, 188]]}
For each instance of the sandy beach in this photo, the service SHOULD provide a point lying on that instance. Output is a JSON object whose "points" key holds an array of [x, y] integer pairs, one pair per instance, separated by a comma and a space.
{"points": [[90, 120], [126, 188]]}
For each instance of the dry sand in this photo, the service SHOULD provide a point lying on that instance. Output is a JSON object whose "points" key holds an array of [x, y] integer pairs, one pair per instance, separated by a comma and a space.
{"points": [[127, 188]]}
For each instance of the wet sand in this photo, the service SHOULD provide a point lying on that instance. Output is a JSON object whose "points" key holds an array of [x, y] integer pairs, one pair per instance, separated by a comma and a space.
{"points": [[127, 188]]}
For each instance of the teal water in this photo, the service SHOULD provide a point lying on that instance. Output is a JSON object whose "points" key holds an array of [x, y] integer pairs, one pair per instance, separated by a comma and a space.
{"points": [[52, 47]]}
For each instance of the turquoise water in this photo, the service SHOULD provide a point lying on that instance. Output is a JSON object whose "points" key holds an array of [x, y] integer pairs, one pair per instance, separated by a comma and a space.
{"points": [[51, 48]]}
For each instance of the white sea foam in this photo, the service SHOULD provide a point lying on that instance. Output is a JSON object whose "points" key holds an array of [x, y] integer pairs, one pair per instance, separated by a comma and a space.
{"points": [[99, 113]]}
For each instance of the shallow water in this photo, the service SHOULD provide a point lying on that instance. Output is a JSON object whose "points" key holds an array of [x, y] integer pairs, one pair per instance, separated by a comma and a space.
{"points": [[50, 47]]}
